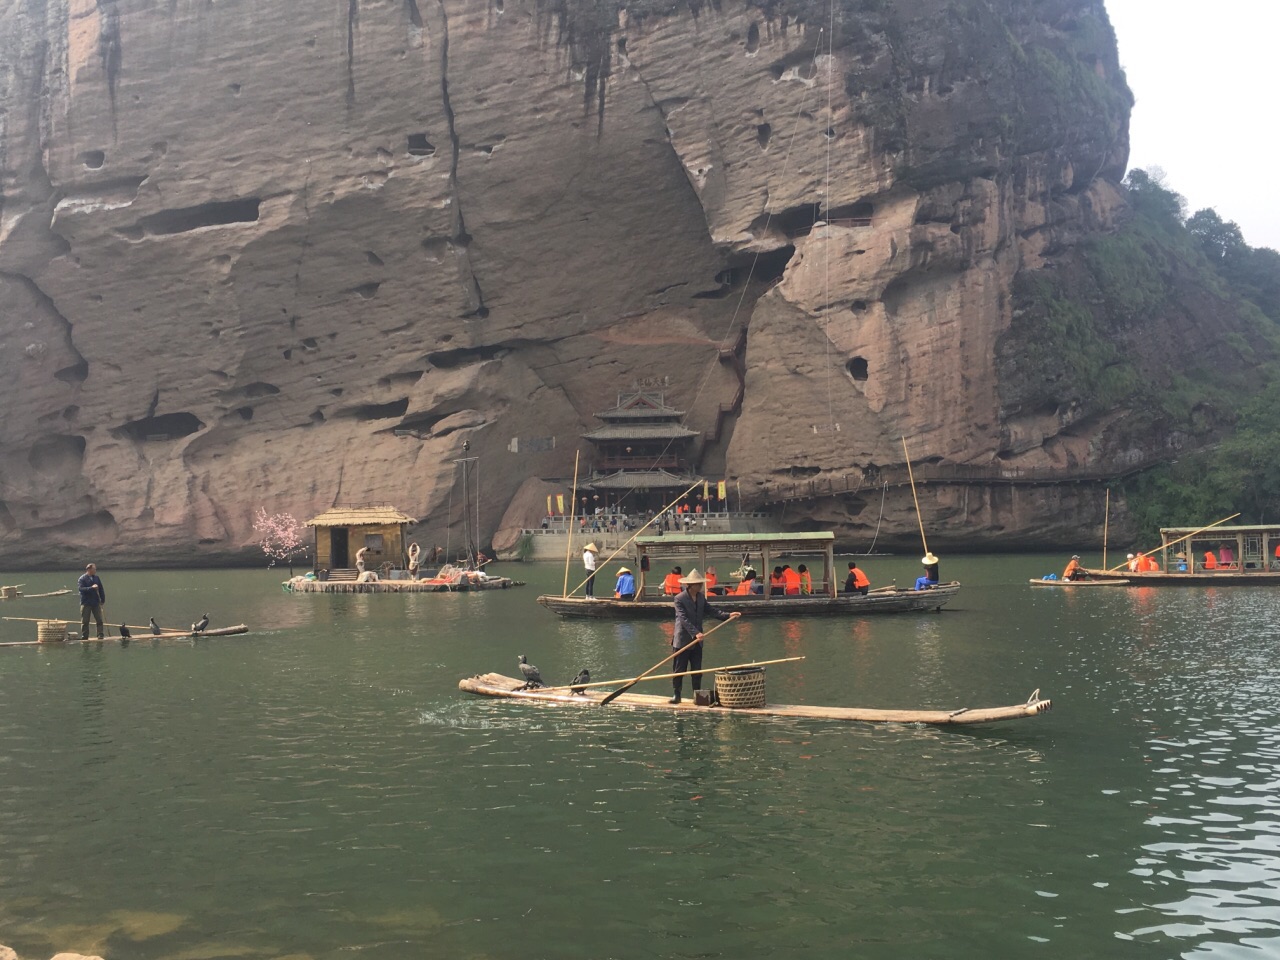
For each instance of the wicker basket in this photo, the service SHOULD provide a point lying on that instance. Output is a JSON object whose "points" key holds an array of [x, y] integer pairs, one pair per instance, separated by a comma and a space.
{"points": [[741, 688], [51, 631], [9, 593]]}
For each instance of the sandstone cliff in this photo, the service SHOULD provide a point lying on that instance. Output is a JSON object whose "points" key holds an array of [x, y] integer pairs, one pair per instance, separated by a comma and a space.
{"points": [[293, 254]]}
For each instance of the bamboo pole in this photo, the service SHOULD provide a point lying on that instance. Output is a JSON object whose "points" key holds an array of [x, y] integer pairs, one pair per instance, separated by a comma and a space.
{"points": [[674, 653], [573, 508], [1165, 546], [911, 476], [631, 539], [1106, 517], [665, 676]]}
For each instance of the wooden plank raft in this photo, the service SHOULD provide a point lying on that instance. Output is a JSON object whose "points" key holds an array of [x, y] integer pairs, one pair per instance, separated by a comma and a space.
{"points": [[497, 685], [138, 637]]}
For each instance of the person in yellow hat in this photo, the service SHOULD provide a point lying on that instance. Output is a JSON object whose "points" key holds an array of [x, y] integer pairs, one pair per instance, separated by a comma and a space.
{"points": [[625, 588], [930, 578]]}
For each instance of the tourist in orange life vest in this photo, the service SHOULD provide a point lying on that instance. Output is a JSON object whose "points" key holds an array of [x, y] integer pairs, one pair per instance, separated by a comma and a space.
{"points": [[1074, 571], [806, 581], [777, 585], [711, 580], [1147, 564], [857, 581], [791, 580], [1210, 560], [671, 583], [747, 584]]}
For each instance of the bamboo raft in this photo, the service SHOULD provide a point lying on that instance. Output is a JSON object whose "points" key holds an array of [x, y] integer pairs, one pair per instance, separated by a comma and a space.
{"points": [[140, 634], [299, 585], [503, 687]]}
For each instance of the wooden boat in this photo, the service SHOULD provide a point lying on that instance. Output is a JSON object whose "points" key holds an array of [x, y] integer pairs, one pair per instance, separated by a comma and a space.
{"points": [[15, 593], [1108, 582], [497, 685], [884, 600], [654, 555], [1243, 556]]}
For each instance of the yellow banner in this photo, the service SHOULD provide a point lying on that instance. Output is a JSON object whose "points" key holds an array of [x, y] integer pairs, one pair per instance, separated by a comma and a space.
{"points": [[560, 503], [720, 490], [706, 493], [548, 504]]}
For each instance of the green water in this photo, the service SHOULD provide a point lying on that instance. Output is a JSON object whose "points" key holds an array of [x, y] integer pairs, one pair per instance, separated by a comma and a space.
{"points": [[321, 788]]}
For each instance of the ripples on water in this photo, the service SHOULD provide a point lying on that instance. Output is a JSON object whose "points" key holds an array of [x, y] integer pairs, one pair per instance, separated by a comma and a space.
{"points": [[323, 788]]}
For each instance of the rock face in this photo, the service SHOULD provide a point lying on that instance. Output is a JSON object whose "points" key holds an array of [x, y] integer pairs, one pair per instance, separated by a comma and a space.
{"points": [[289, 255]]}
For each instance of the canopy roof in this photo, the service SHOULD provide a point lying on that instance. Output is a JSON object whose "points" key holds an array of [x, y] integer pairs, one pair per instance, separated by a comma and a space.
{"points": [[359, 517], [736, 544], [640, 405], [1211, 532]]}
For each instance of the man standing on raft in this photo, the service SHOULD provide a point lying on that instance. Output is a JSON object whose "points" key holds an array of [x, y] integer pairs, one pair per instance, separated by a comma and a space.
{"points": [[691, 608]]}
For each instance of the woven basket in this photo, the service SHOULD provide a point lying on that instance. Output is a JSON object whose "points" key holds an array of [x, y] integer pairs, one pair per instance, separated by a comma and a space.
{"points": [[51, 631], [8, 593], [741, 688]]}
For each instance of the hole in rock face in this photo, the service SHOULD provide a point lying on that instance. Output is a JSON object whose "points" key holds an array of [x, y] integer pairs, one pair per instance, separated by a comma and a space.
{"points": [[218, 214], [167, 426], [830, 133], [368, 291], [93, 159], [622, 45], [857, 368], [233, 89], [858, 306], [260, 389], [420, 146], [380, 411], [753, 38], [246, 413], [76, 373], [373, 258], [764, 133]]}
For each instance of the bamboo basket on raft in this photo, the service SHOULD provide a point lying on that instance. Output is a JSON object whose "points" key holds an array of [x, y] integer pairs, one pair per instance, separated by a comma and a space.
{"points": [[741, 689], [52, 631]]}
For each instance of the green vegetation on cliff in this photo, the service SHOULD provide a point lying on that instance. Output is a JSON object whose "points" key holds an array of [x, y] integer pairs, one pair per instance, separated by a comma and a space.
{"points": [[1170, 322]]}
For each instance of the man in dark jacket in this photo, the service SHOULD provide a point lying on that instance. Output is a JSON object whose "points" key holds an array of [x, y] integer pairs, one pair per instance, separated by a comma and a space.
{"points": [[93, 596], [691, 608]]}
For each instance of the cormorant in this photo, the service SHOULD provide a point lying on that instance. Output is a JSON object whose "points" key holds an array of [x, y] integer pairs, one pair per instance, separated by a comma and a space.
{"points": [[532, 675], [584, 676], [199, 627]]}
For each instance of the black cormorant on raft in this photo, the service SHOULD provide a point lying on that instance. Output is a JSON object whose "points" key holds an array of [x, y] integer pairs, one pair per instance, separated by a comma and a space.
{"points": [[497, 685]]}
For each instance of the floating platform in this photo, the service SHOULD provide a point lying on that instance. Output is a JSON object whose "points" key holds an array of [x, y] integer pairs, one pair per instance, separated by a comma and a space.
{"points": [[509, 688], [140, 636], [462, 585], [884, 600]]}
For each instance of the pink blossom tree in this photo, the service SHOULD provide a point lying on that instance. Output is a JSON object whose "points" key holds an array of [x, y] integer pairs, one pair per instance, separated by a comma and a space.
{"points": [[280, 536]]}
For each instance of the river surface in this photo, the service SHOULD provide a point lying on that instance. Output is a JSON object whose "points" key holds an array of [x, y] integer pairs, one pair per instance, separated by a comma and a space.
{"points": [[320, 788]]}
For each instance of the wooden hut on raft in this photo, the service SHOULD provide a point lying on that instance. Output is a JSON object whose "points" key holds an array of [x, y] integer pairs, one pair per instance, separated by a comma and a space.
{"points": [[342, 531]]}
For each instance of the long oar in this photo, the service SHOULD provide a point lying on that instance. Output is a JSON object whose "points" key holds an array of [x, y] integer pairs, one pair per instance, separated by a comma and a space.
{"points": [[911, 476], [665, 660], [1179, 540], [664, 676]]}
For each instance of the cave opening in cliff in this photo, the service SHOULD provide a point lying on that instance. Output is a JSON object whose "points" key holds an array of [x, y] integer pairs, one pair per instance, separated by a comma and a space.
{"points": [[166, 426], [857, 367], [93, 159], [764, 133], [446, 359], [184, 219], [420, 146], [379, 411]]}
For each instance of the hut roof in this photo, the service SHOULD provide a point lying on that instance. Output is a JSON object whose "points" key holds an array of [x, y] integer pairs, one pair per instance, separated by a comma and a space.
{"points": [[634, 479], [359, 517], [641, 431]]}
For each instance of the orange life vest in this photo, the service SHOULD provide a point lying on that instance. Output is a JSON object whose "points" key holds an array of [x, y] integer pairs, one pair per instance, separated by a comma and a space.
{"points": [[860, 579], [744, 587], [1210, 560], [791, 580], [671, 584]]}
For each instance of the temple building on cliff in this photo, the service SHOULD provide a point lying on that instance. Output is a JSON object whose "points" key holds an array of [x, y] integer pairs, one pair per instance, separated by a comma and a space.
{"points": [[642, 454]]}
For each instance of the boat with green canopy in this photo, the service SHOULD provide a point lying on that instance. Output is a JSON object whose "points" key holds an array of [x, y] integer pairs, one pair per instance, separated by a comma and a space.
{"points": [[760, 552]]}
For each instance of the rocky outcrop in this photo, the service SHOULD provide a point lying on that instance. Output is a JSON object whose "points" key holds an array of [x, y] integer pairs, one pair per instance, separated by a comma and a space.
{"points": [[287, 258]]}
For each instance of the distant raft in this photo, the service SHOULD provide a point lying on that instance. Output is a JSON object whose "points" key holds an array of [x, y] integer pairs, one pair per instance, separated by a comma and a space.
{"points": [[503, 687], [1055, 582]]}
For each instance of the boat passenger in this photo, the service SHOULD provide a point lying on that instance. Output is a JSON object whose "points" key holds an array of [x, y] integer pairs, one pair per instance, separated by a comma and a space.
{"points": [[790, 580], [625, 588], [777, 583], [711, 581], [1210, 560], [1074, 570], [1132, 563], [857, 581], [1147, 564], [930, 578], [747, 584], [671, 582], [806, 581]]}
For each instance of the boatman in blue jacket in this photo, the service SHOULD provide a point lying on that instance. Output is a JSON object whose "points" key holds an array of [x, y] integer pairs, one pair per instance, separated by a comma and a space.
{"points": [[691, 608], [625, 588], [93, 596]]}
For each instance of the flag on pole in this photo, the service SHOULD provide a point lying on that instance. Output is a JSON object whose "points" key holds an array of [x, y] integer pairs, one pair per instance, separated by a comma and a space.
{"points": [[560, 503], [720, 490], [548, 504], [706, 494]]}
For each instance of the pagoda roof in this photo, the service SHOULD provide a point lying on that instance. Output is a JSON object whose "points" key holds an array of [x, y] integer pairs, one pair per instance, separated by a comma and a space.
{"points": [[641, 431], [359, 517], [633, 479], [636, 406]]}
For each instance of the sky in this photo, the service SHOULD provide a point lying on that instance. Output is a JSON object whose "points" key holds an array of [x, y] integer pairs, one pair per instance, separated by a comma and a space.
{"points": [[1205, 79]]}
